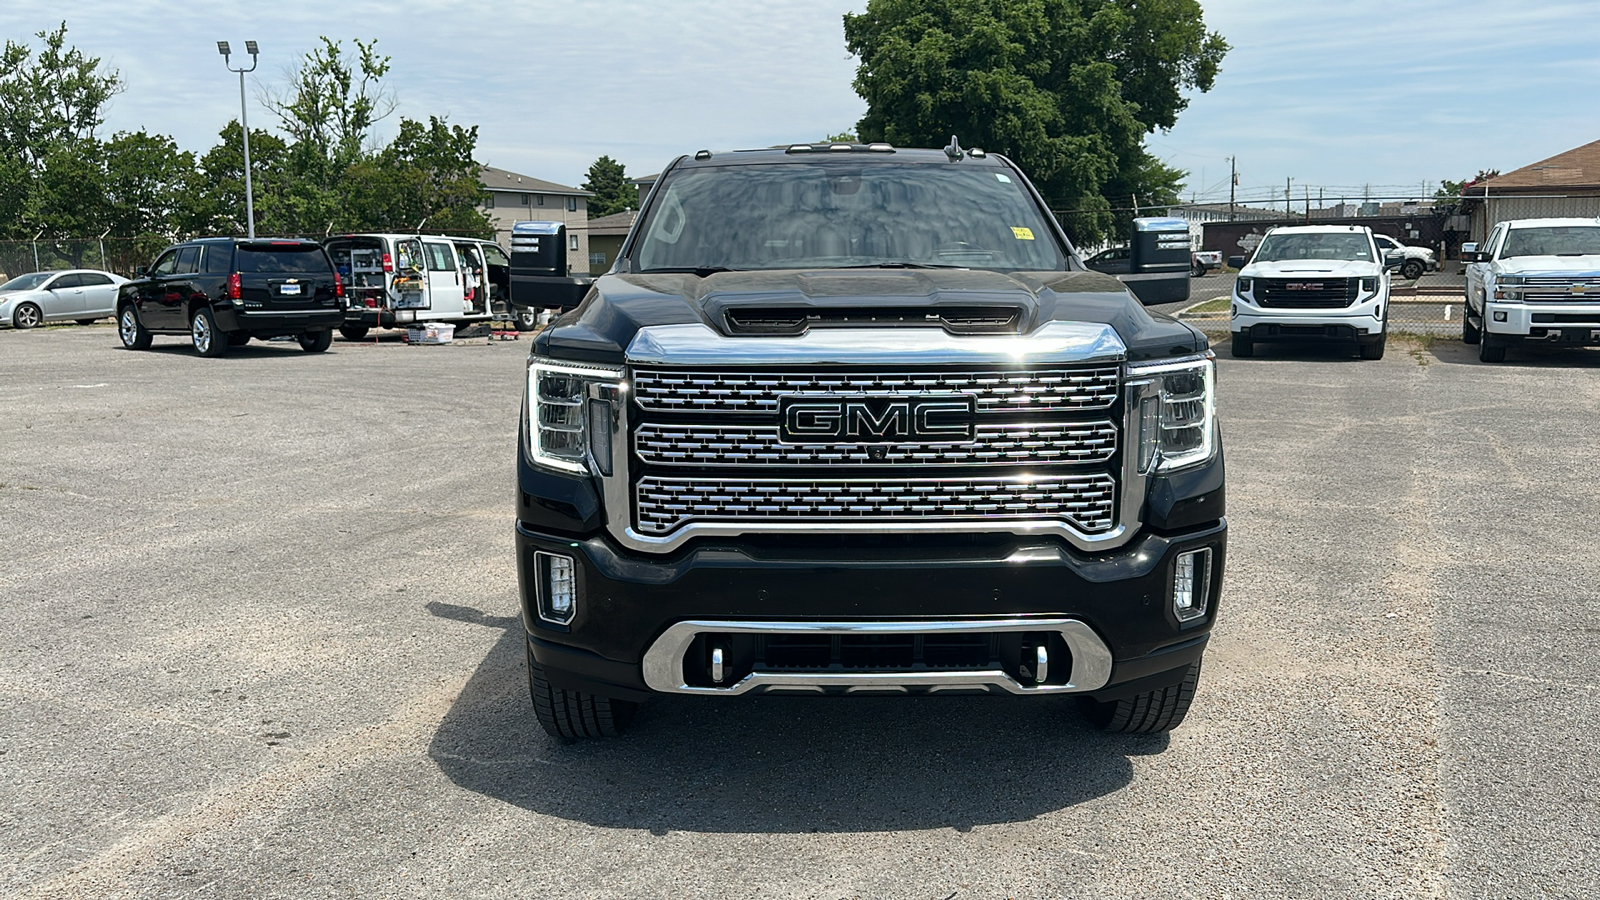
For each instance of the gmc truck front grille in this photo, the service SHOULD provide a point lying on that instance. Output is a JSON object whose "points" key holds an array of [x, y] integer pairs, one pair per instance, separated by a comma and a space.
{"points": [[1306, 293], [722, 449]]}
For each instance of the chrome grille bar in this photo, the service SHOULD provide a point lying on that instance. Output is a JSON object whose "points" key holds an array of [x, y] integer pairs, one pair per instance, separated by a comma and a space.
{"points": [[996, 391], [666, 503], [1029, 444]]}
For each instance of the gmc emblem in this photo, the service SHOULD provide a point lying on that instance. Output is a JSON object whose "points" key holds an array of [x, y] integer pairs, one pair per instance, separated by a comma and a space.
{"points": [[1303, 286], [866, 419]]}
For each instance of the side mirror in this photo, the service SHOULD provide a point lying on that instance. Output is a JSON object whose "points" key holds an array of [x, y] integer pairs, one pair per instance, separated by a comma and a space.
{"points": [[141, 271], [1394, 259], [1469, 253], [1235, 262]]}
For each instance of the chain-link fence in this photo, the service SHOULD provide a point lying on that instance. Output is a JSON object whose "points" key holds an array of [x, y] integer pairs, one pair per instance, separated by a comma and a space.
{"points": [[118, 255], [1428, 305]]}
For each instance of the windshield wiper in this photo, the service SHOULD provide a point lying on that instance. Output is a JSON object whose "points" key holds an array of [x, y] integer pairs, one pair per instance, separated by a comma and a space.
{"points": [[701, 271], [901, 265]]}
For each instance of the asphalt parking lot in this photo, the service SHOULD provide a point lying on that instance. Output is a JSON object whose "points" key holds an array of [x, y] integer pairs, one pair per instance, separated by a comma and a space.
{"points": [[262, 642]]}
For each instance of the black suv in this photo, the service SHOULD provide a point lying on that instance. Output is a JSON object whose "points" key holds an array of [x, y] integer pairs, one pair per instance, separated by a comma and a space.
{"points": [[224, 291], [850, 419]]}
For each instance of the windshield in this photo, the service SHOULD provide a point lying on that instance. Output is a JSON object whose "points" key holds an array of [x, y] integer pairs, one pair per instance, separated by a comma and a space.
{"points": [[1557, 240], [845, 213], [26, 282], [1325, 245]]}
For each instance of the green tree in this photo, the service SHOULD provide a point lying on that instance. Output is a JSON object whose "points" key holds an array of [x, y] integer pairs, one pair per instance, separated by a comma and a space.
{"points": [[1067, 88], [50, 98], [1451, 190], [427, 174], [220, 207], [331, 103], [612, 192], [148, 184]]}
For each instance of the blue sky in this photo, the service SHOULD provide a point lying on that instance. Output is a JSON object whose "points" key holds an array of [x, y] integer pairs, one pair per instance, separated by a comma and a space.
{"points": [[1342, 97]]}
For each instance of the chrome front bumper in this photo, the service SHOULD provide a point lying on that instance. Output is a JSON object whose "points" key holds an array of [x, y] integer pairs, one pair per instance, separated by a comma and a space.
{"points": [[666, 661]]}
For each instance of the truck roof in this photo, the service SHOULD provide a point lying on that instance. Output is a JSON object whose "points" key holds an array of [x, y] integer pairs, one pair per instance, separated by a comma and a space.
{"points": [[815, 153], [1551, 222]]}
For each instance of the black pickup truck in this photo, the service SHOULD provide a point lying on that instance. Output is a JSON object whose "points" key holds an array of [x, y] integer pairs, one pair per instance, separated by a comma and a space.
{"points": [[856, 419]]}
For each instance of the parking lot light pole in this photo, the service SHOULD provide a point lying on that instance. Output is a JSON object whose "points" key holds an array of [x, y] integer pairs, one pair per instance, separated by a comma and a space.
{"points": [[244, 125]]}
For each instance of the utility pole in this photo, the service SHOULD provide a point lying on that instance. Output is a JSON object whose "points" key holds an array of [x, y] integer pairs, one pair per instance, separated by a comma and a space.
{"points": [[1233, 183], [1307, 189], [1287, 211]]}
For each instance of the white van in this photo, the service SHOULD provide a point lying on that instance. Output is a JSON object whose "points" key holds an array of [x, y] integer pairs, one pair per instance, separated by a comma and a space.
{"points": [[394, 280]]}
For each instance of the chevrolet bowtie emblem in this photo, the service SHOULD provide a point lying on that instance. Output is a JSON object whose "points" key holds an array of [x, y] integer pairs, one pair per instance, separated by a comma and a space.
{"points": [[1579, 288]]}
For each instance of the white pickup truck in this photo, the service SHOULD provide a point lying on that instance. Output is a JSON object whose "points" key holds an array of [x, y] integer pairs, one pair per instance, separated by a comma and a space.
{"points": [[1533, 280]]}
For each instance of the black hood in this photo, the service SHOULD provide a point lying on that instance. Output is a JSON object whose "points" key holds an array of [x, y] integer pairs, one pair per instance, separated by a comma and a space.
{"points": [[601, 328]]}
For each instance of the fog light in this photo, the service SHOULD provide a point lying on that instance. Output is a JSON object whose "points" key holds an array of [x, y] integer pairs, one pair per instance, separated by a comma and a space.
{"points": [[1191, 584], [1499, 317], [557, 579]]}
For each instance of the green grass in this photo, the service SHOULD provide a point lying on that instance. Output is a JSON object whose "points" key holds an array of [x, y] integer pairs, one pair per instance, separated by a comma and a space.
{"points": [[1214, 305]]}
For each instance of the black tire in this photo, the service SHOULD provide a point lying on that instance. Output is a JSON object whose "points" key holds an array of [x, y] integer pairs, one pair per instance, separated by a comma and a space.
{"points": [[1469, 332], [572, 716], [27, 315], [1197, 271], [527, 318], [86, 321], [238, 338], [316, 341], [353, 332], [208, 340], [131, 330], [1374, 349], [1412, 269], [1242, 346], [1162, 709], [1490, 349]]}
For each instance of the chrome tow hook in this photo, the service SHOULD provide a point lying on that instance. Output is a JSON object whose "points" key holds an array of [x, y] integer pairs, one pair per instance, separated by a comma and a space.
{"points": [[718, 672], [1041, 664]]}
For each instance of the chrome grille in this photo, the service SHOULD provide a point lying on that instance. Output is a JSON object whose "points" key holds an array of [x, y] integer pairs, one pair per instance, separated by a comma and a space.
{"points": [[1055, 443], [1559, 289], [664, 503], [1047, 390]]}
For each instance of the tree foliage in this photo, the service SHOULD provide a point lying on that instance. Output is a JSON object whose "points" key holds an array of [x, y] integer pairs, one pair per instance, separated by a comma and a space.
{"points": [[1067, 88], [608, 179], [51, 98], [328, 169], [1451, 190]]}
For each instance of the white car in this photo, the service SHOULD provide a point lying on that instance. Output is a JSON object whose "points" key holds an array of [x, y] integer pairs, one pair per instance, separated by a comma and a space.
{"points": [[1417, 259], [81, 295], [1533, 280], [1314, 282]]}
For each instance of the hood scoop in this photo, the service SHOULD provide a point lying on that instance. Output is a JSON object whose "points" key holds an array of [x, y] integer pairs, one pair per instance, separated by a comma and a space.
{"points": [[960, 320]]}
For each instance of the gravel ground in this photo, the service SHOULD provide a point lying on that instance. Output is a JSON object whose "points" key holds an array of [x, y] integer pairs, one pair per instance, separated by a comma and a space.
{"points": [[263, 644]]}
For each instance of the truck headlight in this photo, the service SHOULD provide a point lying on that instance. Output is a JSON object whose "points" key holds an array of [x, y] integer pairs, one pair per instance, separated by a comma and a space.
{"points": [[1177, 413], [1241, 286], [570, 409]]}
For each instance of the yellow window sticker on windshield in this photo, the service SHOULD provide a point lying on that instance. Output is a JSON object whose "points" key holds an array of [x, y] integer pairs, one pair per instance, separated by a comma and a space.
{"points": [[1022, 234]]}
